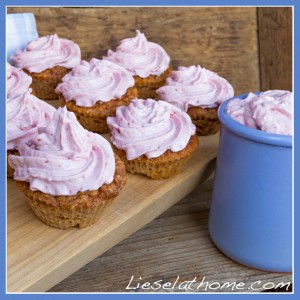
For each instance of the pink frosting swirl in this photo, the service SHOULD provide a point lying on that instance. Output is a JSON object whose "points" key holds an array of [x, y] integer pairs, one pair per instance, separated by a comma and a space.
{"points": [[25, 113], [64, 158], [95, 81], [140, 57], [270, 111], [150, 127], [195, 87], [17, 81], [47, 52]]}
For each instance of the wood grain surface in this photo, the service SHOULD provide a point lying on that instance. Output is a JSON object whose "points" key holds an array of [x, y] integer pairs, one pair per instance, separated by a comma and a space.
{"points": [[176, 243], [275, 45], [39, 256], [222, 39]]}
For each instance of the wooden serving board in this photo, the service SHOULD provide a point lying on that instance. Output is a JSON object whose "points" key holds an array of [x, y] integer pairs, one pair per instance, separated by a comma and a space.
{"points": [[39, 256]]}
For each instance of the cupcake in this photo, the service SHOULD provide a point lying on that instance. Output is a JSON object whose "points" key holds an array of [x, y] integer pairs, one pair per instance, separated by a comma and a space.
{"points": [[68, 174], [17, 81], [47, 60], [148, 62], [199, 92], [152, 137], [93, 90], [25, 112]]}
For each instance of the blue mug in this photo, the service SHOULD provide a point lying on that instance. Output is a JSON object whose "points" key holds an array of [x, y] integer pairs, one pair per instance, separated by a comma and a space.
{"points": [[250, 218], [20, 29]]}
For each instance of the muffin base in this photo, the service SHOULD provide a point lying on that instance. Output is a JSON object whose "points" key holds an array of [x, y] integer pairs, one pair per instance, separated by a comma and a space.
{"points": [[205, 119], [44, 83], [162, 167], [9, 170], [147, 86], [82, 209], [94, 118]]}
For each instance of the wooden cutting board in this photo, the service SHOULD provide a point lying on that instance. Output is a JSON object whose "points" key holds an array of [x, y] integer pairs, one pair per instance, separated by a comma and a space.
{"points": [[39, 256]]}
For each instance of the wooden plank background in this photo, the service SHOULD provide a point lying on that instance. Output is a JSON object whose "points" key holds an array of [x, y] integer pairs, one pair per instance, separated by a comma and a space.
{"points": [[223, 40], [275, 44]]}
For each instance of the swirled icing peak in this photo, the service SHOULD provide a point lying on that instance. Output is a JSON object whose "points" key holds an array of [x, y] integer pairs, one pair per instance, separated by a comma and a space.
{"points": [[25, 113], [150, 128], [95, 81], [270, 111], [195, 86], [64, 158], [17, 81], [140, 57], [47, 52]]}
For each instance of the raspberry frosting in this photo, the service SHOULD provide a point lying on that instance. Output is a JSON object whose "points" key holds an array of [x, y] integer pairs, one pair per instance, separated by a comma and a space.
{"points": [[195, 86], [64, 158], [47, 52], [270, 111], [25, 113], [140, 57], [95, 81], [17, 81], [150, 128]]}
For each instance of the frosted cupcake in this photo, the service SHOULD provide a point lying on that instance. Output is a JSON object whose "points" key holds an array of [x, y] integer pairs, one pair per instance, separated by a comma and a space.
{"points": [[47, 60], [148, 62], [153, 138], [199, 92], [17, 81], [93, 90], [68, 174], [25, 112], [270, 111]]}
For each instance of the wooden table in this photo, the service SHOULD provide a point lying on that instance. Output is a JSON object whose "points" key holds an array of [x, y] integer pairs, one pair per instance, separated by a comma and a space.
{"points": [[40, 256], [177, 243]]}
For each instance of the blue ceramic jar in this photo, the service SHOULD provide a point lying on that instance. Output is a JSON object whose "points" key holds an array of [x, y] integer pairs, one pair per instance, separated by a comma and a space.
{"points": [[20, 29], [250, 218]]}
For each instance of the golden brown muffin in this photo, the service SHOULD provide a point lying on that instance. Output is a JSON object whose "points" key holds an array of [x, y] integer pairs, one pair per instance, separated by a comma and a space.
{"points": [[44, 83], [147, 86], [94, 118], [82, 209], [205, 119], [162, 167], [199, 92]]}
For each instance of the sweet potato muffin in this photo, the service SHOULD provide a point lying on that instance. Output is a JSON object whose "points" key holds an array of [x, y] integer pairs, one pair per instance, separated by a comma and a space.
{"points": [[153, 138], [47, 60], [199, 92], [93, 90], [68, 174], [148, 62]]}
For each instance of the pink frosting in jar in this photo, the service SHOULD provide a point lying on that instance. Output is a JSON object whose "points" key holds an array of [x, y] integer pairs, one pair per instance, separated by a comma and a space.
{"points": [[195, 86], [64, 158], [47, 52], [17, 81], [270, 111], [95, 81], [150, 128], [139, 56], [25, 113]]}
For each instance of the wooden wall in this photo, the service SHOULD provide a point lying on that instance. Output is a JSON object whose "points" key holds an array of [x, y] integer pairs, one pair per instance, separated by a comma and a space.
{"points": [[224, 40], [275, 47]]}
